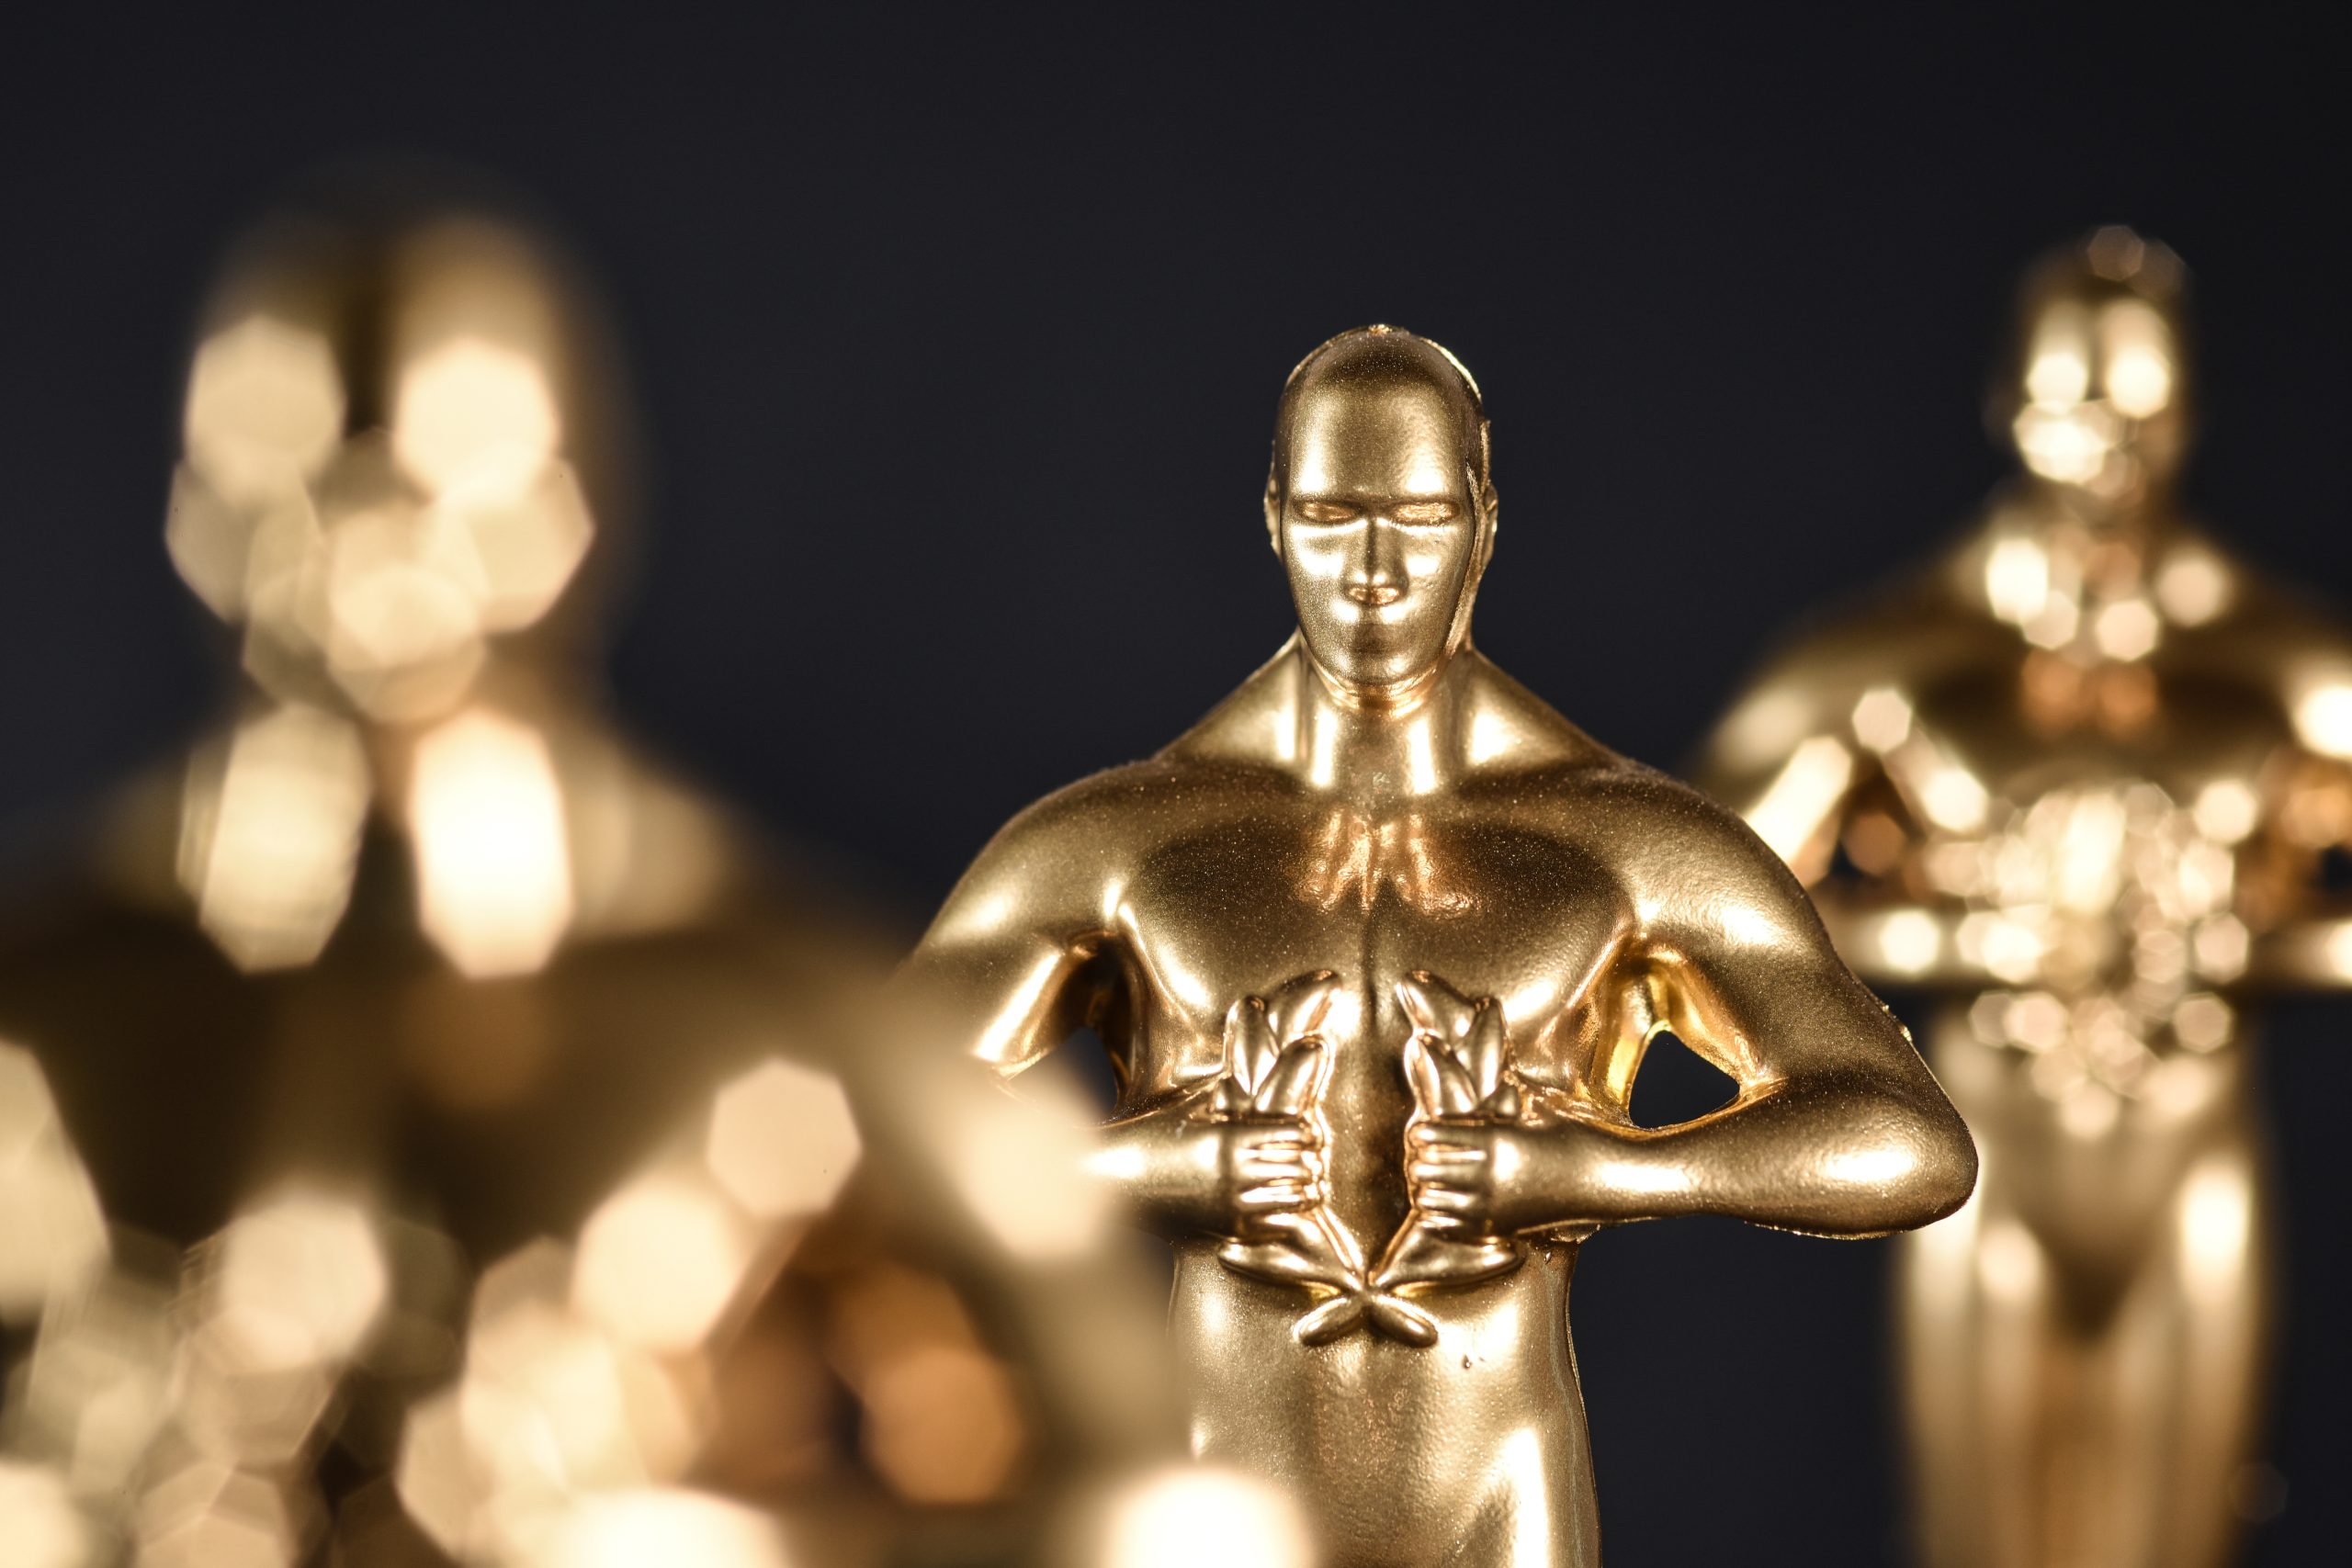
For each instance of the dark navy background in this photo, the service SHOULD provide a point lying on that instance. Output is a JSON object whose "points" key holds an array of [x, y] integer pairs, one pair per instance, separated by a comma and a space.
{"points": [[959, 335]]}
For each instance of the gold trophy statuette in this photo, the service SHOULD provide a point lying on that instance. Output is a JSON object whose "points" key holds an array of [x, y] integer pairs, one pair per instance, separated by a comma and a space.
{"points": [[426, 1132], [1376, 949], [2077, 780]]}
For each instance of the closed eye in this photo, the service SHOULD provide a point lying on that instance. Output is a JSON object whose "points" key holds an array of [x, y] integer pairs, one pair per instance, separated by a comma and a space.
{"points": [[1324, 511], [1427, 512]]}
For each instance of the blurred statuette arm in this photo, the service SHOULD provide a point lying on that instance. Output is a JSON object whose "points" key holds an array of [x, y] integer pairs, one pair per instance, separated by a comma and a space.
{"points": [[2307, 943], [1819, 758]]}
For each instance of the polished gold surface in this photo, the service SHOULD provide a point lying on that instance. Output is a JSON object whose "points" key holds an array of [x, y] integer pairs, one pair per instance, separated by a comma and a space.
{"points": [[429, 1132], [2077, 780], [1376, 949]]}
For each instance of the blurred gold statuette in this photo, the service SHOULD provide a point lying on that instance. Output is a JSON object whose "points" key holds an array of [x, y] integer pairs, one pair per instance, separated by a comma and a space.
{"points": [[1376, 949], [426, 1135], [2077, 781]]}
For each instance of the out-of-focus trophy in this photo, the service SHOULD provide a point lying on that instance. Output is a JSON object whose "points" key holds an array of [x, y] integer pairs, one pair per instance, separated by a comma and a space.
{"points": [[2077, 780], [428, 1132], [1376, 949]]}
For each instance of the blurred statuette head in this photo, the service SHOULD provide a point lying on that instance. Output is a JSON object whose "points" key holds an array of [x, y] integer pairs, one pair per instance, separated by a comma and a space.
{"points": [[2093, 394], [396, 456]]}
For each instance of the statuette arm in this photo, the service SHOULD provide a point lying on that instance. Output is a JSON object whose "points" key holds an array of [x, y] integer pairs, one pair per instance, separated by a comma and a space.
{"points": [[1839, 1128], [1020, 957], [1188, 1167], [2307, 943]]}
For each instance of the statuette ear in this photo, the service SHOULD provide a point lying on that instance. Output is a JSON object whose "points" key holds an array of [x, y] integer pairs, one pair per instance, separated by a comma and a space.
{"points": [[1490, 501]]}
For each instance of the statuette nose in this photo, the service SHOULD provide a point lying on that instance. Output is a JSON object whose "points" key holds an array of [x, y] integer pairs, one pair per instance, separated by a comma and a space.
{"points": [[1376, 575]]}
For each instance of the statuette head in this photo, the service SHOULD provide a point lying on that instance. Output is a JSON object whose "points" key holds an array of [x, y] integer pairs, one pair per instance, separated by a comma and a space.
{"points": [[2093, 392], [1381, 509], [396, 456]]}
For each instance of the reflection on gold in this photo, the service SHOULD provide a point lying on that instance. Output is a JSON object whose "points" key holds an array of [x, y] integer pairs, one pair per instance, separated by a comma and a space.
{"points": [[401, 590], [270, 835], [526, 545], [943, 1423], [661, 1260], [2069, 443], [2017, 579], [1947, 795], [1792, 813], [269, 1315], [1358, 859], [2140, 357], [474, 417], [783, 1142], [300, 1280], [55, 1235], [1024, 1167], [550, 1409], [2116, 896], [2322, 710], [211, 1515], [2217, 1212], [39, 1520], [654, 1525], [434, 1480], [1768, 722], [264, 408], [1909, 941], [2101, 762], [596, 1379], [493, 867], [97, 1390], [1162, 1520], [1882, 719], [2009, 1263], [2193, 586], [477, 351]]}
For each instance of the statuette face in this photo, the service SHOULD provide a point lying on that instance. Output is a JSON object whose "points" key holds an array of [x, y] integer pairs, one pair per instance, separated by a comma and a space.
{"points": [[1376, 949], [1381, 512]]}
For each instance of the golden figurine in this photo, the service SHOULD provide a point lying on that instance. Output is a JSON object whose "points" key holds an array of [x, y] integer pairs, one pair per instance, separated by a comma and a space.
{"points": [[409, 1107], [1376, 949], [2076, 780]]}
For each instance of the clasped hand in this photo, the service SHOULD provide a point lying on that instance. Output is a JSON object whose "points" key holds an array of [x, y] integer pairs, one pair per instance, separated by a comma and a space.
{"points": [[1475, 1166], [1485, 1178]]}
